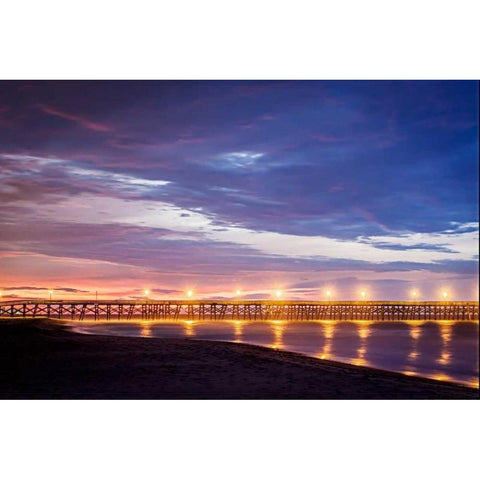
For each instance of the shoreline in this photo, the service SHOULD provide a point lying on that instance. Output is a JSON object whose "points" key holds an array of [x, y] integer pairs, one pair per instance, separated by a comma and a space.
{"points": [[45, 359], [85, 327]]}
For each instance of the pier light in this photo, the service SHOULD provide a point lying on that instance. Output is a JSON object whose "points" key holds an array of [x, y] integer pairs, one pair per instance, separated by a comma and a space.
{"points": [[50, 293], [238, 293], [328, 294], [278, 293], [189, 293], [363, 294], [445, 294], [414, 294], [146, 292]]}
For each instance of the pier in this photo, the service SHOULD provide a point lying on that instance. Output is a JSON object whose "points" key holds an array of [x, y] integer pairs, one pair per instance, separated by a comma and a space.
{"points": [[245, 310]]}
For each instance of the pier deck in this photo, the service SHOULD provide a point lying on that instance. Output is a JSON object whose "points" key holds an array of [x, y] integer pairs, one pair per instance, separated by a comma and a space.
{"points": [[254, 310]]}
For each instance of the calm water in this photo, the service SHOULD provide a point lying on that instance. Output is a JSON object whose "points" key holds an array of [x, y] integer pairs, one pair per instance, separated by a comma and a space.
{"points": [[444, 350]]}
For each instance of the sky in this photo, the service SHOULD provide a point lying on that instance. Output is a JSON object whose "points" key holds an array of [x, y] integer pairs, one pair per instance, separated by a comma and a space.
{"points": [[257, 186]]}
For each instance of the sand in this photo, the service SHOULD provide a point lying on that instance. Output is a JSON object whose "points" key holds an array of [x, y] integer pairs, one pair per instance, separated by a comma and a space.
{"points": [[42, 359]]}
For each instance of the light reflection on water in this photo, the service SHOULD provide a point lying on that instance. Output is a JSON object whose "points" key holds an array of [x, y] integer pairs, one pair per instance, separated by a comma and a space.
{"points": [[363, 333], [146, 330], [189, 327], [446, 334], [415, 332], [444, 350], [278, 328]]}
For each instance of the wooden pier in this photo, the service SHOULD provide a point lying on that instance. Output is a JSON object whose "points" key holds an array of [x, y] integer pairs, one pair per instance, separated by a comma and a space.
{"points": [[254, 310]]}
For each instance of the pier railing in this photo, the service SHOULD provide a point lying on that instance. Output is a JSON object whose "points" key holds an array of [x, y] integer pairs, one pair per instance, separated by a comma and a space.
{"points": [[255, 310]]}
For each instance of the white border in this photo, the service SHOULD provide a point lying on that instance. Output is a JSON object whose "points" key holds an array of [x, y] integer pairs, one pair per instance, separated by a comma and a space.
{"points": [[239, 439], [259, 39], [227, 40]]}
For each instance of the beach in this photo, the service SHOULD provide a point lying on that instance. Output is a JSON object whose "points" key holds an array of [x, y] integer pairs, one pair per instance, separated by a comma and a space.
{"points": [[43, 359]]}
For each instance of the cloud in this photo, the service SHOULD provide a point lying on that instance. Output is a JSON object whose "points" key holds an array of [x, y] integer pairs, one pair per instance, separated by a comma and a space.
{"points": [[239, 159], [325, 137], [59, 176], [461, 240], [83, 122], [163, 215], [268, 117], [462, 246], [109, 177], [34, 288]]}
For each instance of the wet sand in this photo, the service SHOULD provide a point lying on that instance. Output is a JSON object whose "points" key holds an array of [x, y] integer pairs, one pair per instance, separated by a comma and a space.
{"points": [[45, 360]]}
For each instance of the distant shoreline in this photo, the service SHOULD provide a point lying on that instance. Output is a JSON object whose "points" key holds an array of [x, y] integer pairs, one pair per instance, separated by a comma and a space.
{"points": [[44, 359]]}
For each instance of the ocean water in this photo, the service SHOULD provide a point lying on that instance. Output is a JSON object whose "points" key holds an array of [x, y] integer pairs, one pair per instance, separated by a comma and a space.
{"points": [[443, 350]]}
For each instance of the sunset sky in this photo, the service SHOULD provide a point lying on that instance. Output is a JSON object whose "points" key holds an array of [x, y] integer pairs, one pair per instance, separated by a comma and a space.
{"points": [[257, 186]]}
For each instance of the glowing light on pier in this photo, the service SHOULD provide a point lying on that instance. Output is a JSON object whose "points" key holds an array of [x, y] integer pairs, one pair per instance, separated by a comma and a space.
{"points": [[414, 294], [50, 293], [363, 294], [445, 294], [189, 293], [328, 294], [238, 293], [278, 293], [146, 292]]}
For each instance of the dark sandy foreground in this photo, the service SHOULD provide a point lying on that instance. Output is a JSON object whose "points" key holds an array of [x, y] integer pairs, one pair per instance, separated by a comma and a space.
{"points": [[42, 359]]}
